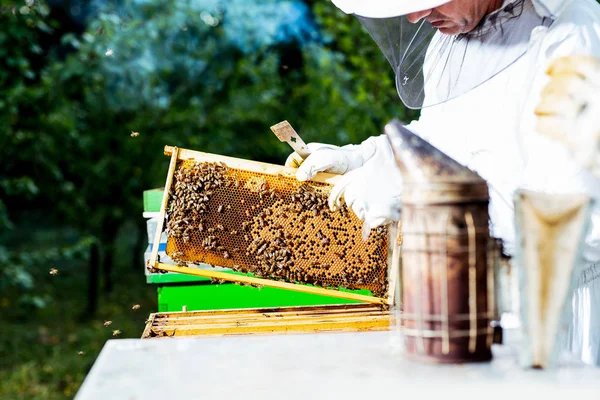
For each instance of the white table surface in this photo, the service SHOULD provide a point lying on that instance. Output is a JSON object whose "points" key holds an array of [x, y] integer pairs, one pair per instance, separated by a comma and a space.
{"points": [[366, 365]]}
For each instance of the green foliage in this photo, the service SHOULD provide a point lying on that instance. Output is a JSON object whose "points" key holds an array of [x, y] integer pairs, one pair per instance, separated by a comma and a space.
{"points": [[40, 356], [29, 160]]}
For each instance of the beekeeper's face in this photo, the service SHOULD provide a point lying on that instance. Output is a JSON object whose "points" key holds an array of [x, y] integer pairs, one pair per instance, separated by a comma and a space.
{"points": [[457, 16]]}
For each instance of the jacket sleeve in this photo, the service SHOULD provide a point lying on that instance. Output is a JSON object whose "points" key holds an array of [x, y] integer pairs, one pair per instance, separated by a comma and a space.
{"points": [[548, 165], [551, 168]]}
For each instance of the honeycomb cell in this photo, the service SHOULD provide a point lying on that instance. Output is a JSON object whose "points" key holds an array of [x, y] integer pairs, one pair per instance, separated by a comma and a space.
{"points": [[271, 226]]}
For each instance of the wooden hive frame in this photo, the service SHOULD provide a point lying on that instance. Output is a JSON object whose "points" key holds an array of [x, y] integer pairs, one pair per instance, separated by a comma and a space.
{"points": [[178, 154], [280, 320]]}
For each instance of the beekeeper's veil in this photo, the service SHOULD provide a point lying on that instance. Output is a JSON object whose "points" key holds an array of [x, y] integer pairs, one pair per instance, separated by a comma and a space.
{"points": [[432, 67]]}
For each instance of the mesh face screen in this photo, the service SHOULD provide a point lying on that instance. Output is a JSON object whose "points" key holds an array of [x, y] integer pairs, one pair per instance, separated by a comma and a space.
{"points": [[271, 226]]}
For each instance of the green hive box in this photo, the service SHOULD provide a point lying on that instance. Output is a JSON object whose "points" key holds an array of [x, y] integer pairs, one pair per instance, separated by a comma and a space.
{"points": [[176, 291], [152, 200]]}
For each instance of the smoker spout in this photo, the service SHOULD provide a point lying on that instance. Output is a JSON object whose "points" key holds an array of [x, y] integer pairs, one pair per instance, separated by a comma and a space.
{"points": [[427, 168]]}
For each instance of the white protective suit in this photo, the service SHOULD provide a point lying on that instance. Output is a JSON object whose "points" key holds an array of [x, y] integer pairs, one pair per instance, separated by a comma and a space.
{"points": [[491, 130]]}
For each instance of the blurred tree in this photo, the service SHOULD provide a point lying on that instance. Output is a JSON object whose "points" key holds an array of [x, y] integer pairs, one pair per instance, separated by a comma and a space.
{"points": [[28, 167]]}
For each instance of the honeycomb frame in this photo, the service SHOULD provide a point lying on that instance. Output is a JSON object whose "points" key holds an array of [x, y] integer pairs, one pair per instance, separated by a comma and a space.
{"points": [[257, 219]]}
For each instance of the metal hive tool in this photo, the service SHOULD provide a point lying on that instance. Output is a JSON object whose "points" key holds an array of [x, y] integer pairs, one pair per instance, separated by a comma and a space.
{"points": [[259, 221]]}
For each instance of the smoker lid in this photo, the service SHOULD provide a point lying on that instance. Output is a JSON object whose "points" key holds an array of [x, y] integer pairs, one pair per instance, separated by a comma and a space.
{"points": [[424, 166]]}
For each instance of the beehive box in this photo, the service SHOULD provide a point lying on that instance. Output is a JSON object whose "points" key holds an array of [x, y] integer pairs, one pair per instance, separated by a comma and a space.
{"points": [[258, 220]]}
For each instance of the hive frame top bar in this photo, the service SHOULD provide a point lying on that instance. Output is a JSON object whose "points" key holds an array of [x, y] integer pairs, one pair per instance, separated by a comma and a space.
{"points": [[269, 169], [254, 166]]}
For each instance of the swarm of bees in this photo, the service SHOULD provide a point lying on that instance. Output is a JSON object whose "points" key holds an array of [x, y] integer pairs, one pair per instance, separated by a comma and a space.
{"points": [[272, 227], [190, 195]]}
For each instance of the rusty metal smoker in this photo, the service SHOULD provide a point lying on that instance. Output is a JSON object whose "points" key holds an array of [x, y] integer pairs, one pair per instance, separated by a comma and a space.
{"points": [[447, 255]]}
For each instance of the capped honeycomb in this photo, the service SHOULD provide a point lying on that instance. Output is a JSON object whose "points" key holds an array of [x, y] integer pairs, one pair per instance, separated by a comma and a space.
{"points": [[271, 226]]}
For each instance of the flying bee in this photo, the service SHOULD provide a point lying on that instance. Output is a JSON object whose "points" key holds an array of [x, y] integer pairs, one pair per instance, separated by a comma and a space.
{"points": [[135, 307], [116, 332], [107, 323], [80, 353], [53, 271]]}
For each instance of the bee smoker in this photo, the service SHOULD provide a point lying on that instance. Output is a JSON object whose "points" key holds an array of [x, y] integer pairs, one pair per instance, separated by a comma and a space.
{"points": [[447, 266]]}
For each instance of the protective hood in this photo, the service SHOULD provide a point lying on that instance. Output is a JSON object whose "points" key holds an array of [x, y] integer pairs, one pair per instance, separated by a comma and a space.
{"points": [[550, 8], [432, 67], [385, 8]]}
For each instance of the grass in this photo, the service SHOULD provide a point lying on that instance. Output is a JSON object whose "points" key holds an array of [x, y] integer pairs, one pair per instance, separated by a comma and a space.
{"points": [[39, 347]]}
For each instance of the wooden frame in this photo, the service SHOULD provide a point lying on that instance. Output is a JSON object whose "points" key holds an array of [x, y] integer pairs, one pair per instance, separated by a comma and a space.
{"points": [[281, 320], [270, 169]]}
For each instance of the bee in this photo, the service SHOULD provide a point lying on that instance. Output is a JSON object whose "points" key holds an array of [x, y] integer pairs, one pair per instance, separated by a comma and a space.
{"points": [[80, 353], [135, 307], [116, 332], [53, 271], [220, 208], [107, 323], [134, 134]]}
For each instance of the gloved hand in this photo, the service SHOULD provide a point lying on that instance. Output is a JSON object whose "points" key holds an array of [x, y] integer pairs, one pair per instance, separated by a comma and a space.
{"points": [[371, 185], [373, 192], [569, 109], [334, 159]]}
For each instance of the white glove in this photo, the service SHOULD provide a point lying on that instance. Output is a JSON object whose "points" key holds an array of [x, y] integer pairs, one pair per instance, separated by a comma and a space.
{"points": [[373, 192], [371, 185], [333, 159], [569, 110]]}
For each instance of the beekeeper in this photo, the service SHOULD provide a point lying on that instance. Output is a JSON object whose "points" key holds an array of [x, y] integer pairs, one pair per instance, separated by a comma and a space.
{"points": [[475, 68]]}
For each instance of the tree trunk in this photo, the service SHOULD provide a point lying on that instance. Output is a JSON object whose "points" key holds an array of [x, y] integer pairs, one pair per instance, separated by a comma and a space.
{"points": [[94, 269], [137, 258], [107, 267], [110, 232]]}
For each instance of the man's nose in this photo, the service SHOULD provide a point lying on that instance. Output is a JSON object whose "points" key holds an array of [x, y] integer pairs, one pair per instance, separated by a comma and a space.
{"points": [[415, 17]]}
